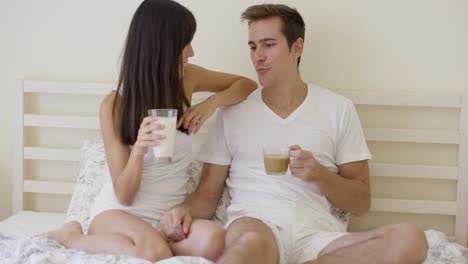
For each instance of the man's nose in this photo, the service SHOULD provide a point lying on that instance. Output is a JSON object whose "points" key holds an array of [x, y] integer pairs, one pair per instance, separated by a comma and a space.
{"points": [[259, 54]]}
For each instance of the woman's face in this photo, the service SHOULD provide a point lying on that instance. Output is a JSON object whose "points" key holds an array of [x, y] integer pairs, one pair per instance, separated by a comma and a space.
{"points": [[187, 52]]}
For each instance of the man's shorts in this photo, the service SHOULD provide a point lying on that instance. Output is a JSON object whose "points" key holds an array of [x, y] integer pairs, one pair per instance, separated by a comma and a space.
{"points": [[301, 233]]}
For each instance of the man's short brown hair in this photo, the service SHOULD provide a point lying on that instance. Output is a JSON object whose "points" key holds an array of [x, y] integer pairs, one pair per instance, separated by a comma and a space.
{"points": [[293, 25]]}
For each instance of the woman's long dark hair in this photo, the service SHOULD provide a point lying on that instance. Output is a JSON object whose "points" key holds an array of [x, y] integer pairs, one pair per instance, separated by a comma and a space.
{"points": [[150, 73]]}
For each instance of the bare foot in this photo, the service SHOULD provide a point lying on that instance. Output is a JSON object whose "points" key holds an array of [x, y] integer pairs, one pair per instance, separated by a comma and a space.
{"points": [[65, 234]]}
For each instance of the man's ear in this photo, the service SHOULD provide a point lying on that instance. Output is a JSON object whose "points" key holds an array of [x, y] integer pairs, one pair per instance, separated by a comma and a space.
{"points": [[297, 47]]}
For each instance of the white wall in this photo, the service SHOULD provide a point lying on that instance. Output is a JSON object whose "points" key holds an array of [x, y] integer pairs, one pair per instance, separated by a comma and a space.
{"points": [[56, 40], [5, 147], [415, 45], [401, 45]]}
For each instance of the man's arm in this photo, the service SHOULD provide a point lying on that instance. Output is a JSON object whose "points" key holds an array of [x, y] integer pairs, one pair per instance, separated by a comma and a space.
{"points": [[348, 190], [175, 223], [203, 201]]}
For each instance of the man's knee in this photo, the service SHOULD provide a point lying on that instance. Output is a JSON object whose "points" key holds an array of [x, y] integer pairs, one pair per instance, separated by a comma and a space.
{"points": [[256, 241], [409, 241], [248, 236]]}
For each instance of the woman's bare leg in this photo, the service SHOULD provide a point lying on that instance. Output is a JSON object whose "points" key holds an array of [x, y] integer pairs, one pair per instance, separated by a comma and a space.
{"points": [[114, 232], [206, 239]]}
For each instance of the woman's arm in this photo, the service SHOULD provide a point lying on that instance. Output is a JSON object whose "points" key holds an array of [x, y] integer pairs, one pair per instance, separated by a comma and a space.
{"points": [[228, 88], [125, 167]]}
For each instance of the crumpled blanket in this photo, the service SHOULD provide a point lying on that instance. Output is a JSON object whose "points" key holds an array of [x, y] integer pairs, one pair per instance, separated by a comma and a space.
{"points": [[41, 250], [442, 251]]}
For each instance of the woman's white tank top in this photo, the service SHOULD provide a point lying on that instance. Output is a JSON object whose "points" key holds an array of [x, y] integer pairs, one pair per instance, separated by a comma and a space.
{"points": [[162, 185]]}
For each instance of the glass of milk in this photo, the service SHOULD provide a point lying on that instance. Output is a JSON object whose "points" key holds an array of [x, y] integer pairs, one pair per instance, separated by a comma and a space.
{"points": [[167, 117]]}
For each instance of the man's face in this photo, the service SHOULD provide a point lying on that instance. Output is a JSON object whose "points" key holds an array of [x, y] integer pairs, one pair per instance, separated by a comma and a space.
{"points": [[273, 60]]}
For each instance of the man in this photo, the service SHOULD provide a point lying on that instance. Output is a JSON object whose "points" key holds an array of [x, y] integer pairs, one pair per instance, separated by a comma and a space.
{"points": [[291, 218]]}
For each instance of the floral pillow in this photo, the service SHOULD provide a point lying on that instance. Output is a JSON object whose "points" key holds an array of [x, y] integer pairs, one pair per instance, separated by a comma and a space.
{"points": [[93, 168], [93, 171]]}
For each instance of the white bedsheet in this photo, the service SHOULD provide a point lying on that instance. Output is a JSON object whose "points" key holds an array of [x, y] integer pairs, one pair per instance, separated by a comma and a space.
{"points": [[29, 223]]}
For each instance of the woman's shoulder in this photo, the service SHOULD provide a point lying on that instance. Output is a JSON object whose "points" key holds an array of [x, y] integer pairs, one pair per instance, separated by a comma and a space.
{"points": [[193, 72], [112, 98], [190, 68], [112, 101], [190, 79]]}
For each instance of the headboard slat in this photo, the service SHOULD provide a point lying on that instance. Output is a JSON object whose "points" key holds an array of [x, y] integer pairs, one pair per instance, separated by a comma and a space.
{"points": [[18, 141], [68, 88], [413, 206], [34, 153], [368, 98], [34, 120], [413, 171], [411, 135], [52, 187], [461, 223]]}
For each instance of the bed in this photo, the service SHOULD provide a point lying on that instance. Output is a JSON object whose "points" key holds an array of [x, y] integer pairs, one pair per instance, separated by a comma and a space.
{"points": [[419, 143]]}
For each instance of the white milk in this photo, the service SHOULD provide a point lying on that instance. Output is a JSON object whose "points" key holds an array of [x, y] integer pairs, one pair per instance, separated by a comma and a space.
{"points": [[166, 149]]}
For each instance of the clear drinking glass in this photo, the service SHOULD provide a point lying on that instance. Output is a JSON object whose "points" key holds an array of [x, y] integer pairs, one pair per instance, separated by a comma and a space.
{"points": [[167, 117]]}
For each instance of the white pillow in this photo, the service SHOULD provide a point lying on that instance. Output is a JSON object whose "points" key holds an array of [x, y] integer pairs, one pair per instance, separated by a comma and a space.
{"points": [[94, 169]]}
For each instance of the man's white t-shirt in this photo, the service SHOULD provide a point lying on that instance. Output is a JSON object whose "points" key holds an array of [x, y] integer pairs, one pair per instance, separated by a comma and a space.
{"points": [[325, 124]]}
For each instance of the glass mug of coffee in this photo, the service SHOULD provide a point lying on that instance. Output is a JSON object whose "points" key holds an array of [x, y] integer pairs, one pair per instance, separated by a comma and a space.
{"points": [[276, 160]]}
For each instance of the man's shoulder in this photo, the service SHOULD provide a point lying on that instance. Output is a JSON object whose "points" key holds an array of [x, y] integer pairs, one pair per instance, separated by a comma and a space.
{"points": [[241, 108], [329, 97]]}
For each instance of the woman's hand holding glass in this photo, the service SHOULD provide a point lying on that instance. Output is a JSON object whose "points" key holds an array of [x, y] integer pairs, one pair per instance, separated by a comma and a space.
{"points": [[146, 138]]}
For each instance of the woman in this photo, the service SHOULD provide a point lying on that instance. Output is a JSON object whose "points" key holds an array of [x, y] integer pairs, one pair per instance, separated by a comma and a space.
{"points": [[154, 74]]}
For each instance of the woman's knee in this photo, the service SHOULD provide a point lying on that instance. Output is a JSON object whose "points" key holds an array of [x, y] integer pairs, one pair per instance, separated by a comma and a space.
{"points": [[150, 245], [211, 241], [216, 239]]}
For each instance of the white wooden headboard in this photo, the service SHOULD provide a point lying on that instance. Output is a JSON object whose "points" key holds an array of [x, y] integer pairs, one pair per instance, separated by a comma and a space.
{"points": [[456, 173]]}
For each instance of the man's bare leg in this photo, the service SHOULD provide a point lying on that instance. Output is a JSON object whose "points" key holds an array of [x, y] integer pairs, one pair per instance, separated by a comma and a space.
{"points": [[249, 240], [399, 243]]}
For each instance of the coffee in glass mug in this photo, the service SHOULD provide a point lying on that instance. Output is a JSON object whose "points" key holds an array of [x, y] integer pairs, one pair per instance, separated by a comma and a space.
{"points": [[276, 160]]}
